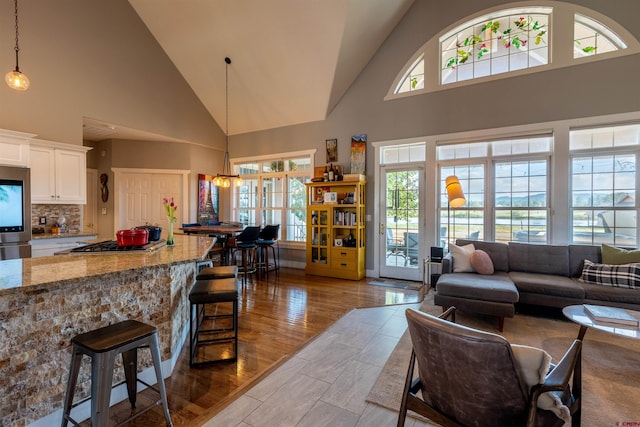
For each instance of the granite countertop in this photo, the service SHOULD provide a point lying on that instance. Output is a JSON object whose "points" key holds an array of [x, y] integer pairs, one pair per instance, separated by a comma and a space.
{"points": [[49, 270], [61, 236]]}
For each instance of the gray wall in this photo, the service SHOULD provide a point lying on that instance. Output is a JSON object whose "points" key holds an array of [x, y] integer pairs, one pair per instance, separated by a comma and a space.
{"points": [[95, 59], [594, 89]]}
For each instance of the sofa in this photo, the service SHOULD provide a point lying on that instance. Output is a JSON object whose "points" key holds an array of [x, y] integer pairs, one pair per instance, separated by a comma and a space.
{"points": [[534, 274]]}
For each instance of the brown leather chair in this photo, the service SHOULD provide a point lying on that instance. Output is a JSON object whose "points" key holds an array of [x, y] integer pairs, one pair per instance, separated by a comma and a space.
{"points": [[468, 377]]}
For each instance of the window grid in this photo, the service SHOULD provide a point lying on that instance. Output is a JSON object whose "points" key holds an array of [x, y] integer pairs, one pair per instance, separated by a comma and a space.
{"points": [[273, 192], [466, 222], [518, 181], [603, 199], [593, 38], [503, 42], [521, 202], [479, 49]]}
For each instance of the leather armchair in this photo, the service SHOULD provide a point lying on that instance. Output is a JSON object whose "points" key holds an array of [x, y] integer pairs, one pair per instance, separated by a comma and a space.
{"points": [[468, 377]]}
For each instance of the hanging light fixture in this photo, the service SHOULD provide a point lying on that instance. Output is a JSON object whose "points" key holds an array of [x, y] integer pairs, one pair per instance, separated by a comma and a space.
{"points": [[224, 179], [16, 79]]}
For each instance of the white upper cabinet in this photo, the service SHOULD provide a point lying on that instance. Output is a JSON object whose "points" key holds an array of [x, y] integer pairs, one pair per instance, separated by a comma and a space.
{"points": [[58, 173], [14, 148]]}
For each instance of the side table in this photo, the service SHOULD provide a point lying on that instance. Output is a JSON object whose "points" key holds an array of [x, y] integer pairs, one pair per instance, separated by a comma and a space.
{"points": [[431, 270]]}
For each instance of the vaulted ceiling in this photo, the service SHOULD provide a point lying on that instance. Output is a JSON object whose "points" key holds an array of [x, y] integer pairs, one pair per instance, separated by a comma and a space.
{"points": [[292, 60]]}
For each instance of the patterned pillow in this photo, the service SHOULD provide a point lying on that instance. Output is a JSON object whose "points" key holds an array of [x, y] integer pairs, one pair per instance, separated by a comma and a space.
{"points": [[619, 276]]}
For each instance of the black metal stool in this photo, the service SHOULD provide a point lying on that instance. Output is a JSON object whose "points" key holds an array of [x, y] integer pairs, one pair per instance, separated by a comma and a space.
{"points": [[102, 346], [218, 272], [203, 293], [268, 239]]}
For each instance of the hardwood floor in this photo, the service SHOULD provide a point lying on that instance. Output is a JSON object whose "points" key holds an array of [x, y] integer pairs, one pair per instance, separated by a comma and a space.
{"points": [[276, 318]]}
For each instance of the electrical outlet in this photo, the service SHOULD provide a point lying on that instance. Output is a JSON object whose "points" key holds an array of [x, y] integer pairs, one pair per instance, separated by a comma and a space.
{"points": [[43, 220]]}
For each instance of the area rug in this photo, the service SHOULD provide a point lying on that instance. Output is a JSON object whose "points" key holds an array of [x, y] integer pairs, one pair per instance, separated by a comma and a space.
{"points": [[610, 364], [399, 284]]}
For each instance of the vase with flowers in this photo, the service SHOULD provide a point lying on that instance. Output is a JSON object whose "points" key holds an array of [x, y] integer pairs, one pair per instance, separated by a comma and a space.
{"points": [[170, 208]]}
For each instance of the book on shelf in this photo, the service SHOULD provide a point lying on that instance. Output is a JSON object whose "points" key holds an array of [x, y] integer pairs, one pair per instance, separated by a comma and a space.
{"points": [[610, 315]]}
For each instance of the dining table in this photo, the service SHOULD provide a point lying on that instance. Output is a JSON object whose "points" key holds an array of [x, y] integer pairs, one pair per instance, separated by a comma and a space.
{"points": [[226, 231]]}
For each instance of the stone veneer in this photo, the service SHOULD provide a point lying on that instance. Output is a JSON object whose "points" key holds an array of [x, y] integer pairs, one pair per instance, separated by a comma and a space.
{"points": [[71, 213], [38, 320]]}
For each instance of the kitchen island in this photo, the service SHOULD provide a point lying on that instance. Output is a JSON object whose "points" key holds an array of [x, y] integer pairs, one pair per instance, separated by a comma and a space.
{"points": [[44, 302]]}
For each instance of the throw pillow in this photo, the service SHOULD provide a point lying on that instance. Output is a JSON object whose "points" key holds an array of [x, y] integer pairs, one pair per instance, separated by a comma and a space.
{"points": [[617, 256], [618, 276], [533, 364], [461, 255], [481, 262]]}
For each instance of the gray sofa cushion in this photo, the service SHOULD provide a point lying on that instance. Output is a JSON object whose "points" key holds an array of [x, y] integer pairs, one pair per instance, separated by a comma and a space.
{"points": [[544, 259], [577, 255], [496, 287], [497, 251], [547, 284], [611, 294]]}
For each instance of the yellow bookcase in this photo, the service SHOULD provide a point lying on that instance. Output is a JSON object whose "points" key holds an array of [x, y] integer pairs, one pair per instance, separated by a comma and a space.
{"points": [[336, 229]]}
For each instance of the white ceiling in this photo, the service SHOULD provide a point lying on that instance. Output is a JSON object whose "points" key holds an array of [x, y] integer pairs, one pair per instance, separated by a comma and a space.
{"points": [[292, 60]]}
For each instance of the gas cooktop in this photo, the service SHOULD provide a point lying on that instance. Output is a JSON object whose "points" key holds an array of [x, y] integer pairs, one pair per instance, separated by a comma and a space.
{"points": [[112, 246]]}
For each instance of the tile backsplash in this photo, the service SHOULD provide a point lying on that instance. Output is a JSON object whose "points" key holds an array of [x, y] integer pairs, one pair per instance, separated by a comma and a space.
{"points": [[71, 213]]}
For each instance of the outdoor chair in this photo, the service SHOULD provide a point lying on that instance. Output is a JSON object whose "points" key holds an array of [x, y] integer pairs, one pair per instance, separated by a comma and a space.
{"points": [[468, 377], [412, 241]]}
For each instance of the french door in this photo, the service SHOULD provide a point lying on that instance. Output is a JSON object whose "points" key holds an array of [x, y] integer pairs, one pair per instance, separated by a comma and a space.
{"points": [[401, 240]]}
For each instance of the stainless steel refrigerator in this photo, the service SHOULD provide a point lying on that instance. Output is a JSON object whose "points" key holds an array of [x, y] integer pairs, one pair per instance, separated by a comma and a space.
{"points": [[15, 212]]}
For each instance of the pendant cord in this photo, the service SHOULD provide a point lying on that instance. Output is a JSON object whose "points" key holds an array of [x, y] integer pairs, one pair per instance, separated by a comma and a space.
{"points": [[17, 47]]}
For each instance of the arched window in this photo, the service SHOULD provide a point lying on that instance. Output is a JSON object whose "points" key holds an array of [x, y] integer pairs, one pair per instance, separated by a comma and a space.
{"points": [[497, 43], [517, 40], [590, 37]]}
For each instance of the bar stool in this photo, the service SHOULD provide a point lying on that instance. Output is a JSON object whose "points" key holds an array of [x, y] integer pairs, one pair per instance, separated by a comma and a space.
{"points": [[218, 272], [203, 293], [268, 239], [102, 346], [246, 244]]}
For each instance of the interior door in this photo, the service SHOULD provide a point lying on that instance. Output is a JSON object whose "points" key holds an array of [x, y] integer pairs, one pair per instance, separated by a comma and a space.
{"points": [[401, 248], [140, 198]]}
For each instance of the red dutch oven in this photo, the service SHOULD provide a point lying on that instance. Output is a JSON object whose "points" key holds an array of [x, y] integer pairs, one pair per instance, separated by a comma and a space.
{"points": [[134, 237]]}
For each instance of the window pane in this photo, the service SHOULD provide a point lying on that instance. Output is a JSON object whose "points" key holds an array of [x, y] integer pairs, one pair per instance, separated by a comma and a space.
{"points": [[466, 222], [593, 38], [521, 188], [504, 41], [605, 137], [603, 188]]}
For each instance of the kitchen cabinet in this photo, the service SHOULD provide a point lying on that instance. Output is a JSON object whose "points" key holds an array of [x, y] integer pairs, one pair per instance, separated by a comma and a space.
{"points": [[58, 173], [336, 229], [14, 148]]}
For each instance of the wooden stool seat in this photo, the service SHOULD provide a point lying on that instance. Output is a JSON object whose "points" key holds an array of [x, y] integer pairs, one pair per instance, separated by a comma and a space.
{"points": [[204, 293], [218, 272], [102, 346]]}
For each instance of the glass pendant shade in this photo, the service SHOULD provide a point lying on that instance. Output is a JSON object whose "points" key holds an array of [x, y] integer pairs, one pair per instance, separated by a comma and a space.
{"points": [[17, 80]]}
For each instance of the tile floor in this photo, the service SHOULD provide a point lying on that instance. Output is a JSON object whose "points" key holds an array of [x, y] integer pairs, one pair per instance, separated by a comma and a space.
{"points": [[325, 383]]}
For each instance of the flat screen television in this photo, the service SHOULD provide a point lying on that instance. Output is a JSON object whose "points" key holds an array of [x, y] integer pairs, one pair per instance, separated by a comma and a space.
{"points": [[11, 205]]}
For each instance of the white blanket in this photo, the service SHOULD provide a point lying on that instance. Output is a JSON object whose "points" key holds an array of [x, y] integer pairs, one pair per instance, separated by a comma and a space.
{"points": [[534, 365]]}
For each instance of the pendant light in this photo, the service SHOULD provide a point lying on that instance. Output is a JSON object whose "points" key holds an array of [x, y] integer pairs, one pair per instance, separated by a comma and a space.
{"points": [[224, 179], [16, 79]]}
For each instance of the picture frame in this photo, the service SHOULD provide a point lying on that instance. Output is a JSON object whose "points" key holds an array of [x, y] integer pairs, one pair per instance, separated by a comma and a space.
{"points": [[337, 242], [331, 197], [332, 150]]}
